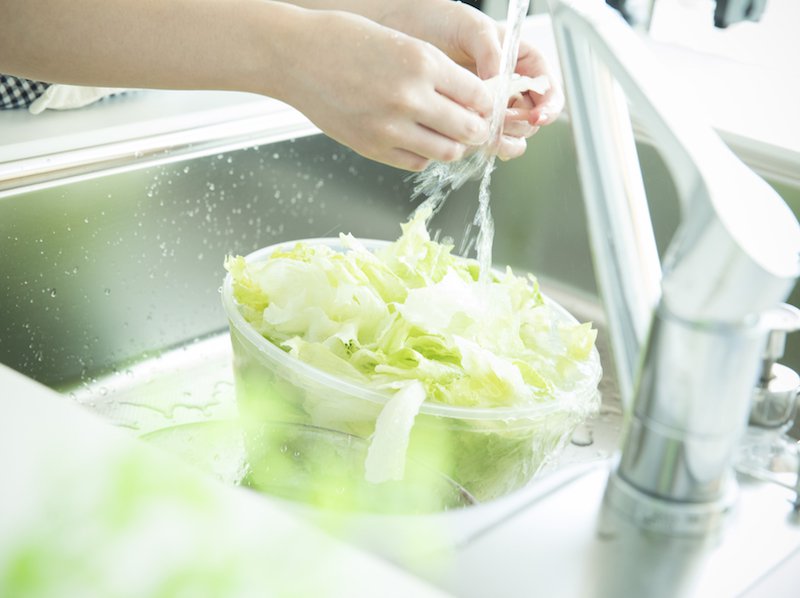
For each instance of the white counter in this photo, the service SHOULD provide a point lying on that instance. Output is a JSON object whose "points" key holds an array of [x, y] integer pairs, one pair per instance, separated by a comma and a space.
{"points": [[86, 510]]}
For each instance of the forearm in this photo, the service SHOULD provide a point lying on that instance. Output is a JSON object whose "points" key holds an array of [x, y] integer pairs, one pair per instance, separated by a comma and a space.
{"points": [[180, 44]]}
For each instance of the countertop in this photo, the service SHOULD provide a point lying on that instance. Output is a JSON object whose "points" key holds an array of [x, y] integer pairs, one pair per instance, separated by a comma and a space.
{"points": [[86, 510]]}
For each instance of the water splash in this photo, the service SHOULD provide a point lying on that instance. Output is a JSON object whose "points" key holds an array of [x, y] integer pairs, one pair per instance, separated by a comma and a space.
{"points": [[438, 180]]}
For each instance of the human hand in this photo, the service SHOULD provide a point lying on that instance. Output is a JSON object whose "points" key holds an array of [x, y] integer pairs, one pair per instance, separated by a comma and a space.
{"points": [[531, 110], [474, 40], [388, 96]]}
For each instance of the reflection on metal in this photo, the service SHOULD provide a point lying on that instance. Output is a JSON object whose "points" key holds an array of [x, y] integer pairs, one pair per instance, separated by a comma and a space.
{"points": [[734, 256], [728, 12], [639, 13], [153, 150], [733, 259]]}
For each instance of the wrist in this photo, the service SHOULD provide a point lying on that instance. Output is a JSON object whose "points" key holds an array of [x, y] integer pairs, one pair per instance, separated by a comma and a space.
{"points": [[271, 49], [451, 28]]}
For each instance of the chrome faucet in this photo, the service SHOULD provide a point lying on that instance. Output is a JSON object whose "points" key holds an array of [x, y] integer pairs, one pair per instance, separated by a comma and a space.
{"points": [[689, 333]]}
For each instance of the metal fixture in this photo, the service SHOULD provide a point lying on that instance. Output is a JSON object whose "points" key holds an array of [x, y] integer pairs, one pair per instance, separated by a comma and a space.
{"points": [[639, 13], [775, 397], [766, 452], [734, 258], [728, 12]]}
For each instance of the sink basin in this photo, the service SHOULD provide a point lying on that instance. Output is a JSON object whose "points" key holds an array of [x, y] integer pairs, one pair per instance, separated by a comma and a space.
{"points": [[109, 284], [109, 293]]}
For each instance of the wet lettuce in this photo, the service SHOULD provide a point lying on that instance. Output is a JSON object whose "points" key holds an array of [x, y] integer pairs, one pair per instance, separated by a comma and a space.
{"points": [[412, 319]]}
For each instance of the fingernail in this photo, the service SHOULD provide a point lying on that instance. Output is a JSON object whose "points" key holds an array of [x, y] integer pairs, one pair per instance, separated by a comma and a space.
{"points": [[511, 147], [543, 116]]}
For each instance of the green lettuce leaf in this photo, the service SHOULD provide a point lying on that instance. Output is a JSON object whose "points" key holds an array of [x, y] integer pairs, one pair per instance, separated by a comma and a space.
{"points": [[412, 315]]}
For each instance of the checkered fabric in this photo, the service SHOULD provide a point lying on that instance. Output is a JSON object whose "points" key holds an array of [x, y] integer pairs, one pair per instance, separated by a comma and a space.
{"points": [[19, 93]]}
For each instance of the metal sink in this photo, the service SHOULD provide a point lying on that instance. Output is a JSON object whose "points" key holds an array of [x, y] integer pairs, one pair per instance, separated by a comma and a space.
{"points": [[109, 281]]}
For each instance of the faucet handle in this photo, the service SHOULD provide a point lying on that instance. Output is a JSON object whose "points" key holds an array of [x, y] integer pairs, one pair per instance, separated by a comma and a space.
{"points": [[776, 393], [780, 321], [783, 317], [766, 452]]}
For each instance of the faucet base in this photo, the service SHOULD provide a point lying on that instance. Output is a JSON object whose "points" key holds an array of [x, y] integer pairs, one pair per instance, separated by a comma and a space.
{"points": [[624, 504]]}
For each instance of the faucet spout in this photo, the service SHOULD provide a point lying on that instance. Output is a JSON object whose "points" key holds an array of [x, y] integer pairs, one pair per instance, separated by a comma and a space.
{"points": [[687, 334]]}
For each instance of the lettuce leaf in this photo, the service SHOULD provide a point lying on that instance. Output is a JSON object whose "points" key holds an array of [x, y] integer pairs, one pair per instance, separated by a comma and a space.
{"points": [[412, 319]]}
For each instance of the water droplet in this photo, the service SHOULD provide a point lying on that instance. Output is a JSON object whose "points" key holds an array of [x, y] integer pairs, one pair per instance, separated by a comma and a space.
{"points": [[106, 292], [52, 292], [583, 436]]}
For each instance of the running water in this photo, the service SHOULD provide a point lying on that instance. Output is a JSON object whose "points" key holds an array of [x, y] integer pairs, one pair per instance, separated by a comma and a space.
{"points": [[437, 181]]}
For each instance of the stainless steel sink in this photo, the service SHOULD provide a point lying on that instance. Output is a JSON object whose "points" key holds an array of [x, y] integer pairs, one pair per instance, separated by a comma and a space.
{"points": [[108, 282]]}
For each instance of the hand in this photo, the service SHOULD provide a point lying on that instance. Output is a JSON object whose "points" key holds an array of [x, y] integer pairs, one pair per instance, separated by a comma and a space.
{"points": [[390, 97], [474, 40], [532, 110]]}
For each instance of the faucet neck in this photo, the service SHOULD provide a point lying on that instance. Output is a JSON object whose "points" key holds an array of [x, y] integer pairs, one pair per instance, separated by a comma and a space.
{"points": [[691, 407]]}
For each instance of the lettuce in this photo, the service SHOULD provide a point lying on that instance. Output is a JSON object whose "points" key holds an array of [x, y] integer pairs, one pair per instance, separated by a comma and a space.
{"points": [[412, 320]]}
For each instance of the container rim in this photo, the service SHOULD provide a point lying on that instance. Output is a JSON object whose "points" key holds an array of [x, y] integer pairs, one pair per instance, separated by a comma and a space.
{"points": [[582, 395]]}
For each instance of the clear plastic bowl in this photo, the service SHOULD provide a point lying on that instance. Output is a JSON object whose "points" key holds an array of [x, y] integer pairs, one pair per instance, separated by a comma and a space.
{"points": [[297, 462], [488, 451]]}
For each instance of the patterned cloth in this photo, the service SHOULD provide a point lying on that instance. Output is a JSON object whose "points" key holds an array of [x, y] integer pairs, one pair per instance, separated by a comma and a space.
{"points": [[19, 93]]}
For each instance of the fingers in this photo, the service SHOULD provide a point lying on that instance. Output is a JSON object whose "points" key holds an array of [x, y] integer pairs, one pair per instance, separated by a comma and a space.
{"points": [[464, 88], [411, 146], [516, 124], [432, 145], [548, 106], [485, 49], [400, 158], [511, 147], [548, 109], [452, 120]]}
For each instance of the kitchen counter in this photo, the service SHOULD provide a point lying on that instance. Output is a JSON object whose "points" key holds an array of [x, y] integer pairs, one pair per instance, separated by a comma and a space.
{"points": [[86, 510]]}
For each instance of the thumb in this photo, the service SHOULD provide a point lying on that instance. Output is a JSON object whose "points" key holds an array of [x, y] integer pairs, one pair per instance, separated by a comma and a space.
{"points": [[485, 50]]}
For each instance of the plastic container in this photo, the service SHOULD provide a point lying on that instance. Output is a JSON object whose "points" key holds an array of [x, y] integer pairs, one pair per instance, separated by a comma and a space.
{"points": [[488, 451], [323, 468]]}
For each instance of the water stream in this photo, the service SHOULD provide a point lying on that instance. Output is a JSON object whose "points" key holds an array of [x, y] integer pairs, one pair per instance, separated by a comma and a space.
{"points": [[437, 181], [517, 10]]}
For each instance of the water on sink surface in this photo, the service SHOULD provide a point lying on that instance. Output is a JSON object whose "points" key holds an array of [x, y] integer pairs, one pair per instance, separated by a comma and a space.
{"points": [[193, 383], [183, 401]]}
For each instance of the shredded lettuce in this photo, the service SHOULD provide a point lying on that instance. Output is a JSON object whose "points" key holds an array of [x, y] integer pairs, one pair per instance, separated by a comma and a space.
{"points": [[413, 320]]}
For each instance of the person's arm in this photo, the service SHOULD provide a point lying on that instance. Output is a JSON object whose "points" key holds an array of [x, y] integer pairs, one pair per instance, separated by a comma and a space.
{"points": [[464, 33], [179, 44], [389, 96]]}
